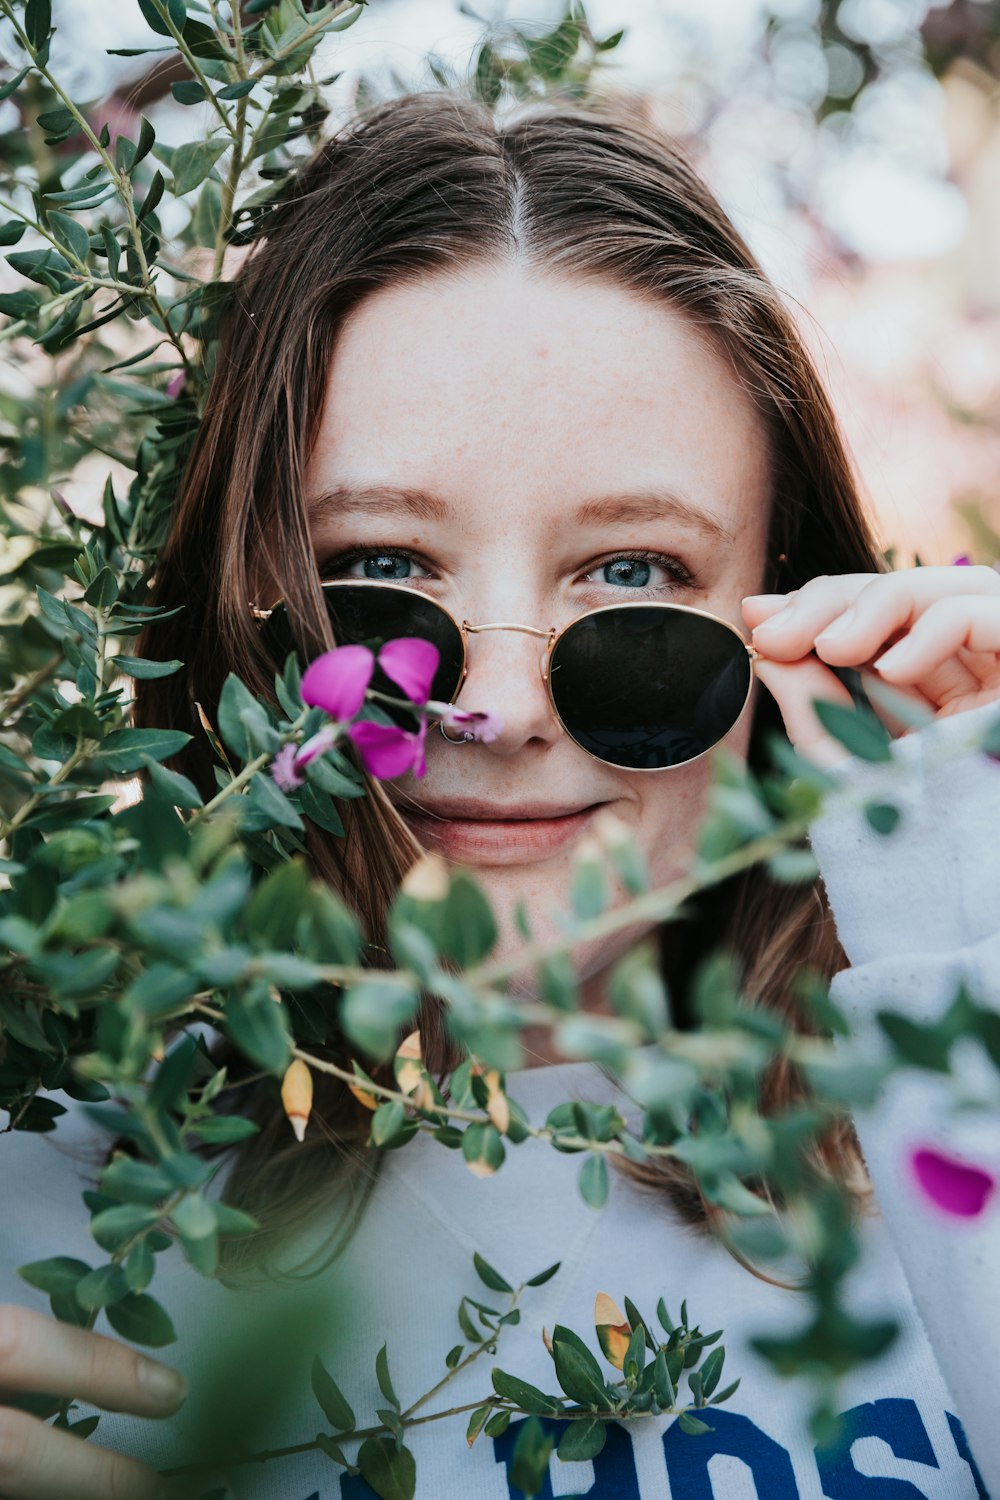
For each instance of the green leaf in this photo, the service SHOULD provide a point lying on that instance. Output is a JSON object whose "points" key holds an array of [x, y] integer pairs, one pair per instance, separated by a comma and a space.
{"points": [[336, 1408], [527, 1397], [692, 1425], [38, 22], [530, 1459], [373, 1012], [266, 806], [577, 1370], [882, 816], [102, 1287], [139, 1267], [482, 1149], [857, 729], [711, 1370], [70, 233], [923, 1046], [174, 8], [113, 1226], [125, 750], [224, 1129], [466, 928], [12, 231], [476, 1423], [178, 790], [188, 91], [56, 1276], [147, 139], [390, 1125], [593, 1181], [582, 1440], [544, 1276], [145, 671], [193, 161], [135, 1181], [238, 90], [258, 1027], [382, 1376], [390, 1471], [141, 1320], [19, 304], [491, 1278]]}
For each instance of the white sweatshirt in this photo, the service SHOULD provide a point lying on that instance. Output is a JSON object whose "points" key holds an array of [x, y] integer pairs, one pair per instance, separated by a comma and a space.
{"points": [[915, 911]]}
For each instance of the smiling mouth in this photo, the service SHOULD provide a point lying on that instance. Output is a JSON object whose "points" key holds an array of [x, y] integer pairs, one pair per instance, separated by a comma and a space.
{"points": [[488, 839]]}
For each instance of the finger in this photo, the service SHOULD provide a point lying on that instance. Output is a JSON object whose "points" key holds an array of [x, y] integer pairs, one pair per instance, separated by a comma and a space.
{"points": [[820, 599], [849, 618], [39, 1354], [947, 627], [794, 685], [38, 1462], [760, 607]]}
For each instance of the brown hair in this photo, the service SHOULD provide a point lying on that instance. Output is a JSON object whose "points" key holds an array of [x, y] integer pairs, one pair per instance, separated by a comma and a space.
{"points": [[428, 183]]}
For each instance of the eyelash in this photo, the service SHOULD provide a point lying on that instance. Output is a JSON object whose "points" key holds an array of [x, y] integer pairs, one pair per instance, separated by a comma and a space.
{"points": [[680, 575]]}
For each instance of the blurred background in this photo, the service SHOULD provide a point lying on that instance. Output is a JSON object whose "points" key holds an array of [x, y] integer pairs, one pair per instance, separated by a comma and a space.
{"points": [[855, 142]]}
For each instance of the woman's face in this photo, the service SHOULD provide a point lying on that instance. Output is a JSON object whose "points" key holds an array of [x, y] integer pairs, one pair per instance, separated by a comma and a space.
{"points": [[546, 446]]}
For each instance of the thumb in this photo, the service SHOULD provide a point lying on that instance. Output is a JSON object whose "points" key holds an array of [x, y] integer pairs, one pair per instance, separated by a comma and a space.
{"points": [[793, 685]]}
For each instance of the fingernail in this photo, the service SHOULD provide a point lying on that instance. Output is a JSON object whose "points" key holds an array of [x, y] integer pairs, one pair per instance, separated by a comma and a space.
{"points": [[890, 658], [166, 1386]]}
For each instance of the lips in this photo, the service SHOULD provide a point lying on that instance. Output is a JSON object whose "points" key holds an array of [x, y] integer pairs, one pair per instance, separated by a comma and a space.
{"points": [[476, 833]]}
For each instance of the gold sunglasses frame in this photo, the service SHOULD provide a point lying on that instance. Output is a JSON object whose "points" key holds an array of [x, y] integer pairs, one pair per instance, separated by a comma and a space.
{"points": [[552, 636]]}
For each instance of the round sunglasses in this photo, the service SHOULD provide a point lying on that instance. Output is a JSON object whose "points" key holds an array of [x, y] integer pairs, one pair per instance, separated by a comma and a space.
{"points": [[643, 686]]}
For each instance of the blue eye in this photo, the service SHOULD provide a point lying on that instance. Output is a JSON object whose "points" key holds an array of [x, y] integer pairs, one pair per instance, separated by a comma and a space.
{"points": [[390, 567], [630, 572]]}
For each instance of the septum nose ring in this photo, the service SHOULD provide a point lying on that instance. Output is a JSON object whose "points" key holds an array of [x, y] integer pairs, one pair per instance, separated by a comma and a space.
{"points": [[548, 635]]}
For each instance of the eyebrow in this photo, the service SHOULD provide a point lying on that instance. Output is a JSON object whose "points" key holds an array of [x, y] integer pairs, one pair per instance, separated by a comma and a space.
{"points": [[634, 507]]}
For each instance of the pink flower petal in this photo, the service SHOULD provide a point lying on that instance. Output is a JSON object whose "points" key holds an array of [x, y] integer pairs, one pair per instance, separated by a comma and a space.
{"points": [[336, 681], [176, 384], [285, 771], [411, 663], [954, 1186], [385, 750]]}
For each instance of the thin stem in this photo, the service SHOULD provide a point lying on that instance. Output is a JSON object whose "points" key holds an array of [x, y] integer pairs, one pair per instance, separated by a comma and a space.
{"points": [[83, 752], [229, 187], [163, 11]]}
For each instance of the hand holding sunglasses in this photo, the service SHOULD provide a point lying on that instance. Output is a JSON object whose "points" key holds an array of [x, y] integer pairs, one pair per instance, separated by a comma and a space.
{"points": [[644, 686], [941, 624]]}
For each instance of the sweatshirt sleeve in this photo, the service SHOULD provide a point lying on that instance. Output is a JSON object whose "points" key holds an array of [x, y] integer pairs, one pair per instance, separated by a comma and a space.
{"points": [[917, 912]]}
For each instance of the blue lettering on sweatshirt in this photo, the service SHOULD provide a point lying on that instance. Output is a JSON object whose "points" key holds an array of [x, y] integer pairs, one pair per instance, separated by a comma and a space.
{"points": [[896, 1421]]}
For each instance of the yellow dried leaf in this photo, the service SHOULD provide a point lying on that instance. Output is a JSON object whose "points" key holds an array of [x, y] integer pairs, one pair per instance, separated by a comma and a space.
{"points": [[297, 1096], [547, 1340], [363, 1096], [481, 1169], [613, 1331], [497, 1105]]}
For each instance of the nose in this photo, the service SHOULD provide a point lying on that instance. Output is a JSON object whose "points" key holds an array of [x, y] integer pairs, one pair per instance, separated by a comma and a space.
{"points": [[505, 677]]}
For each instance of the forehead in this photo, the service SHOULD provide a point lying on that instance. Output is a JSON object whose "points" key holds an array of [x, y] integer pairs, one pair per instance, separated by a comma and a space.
{"points": [[508, 392]]}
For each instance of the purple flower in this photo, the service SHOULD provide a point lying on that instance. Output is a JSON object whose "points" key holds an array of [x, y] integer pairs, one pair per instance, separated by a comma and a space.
{"points": [[387, 751], [954, 1186], [176, 384], [411, 663], [285, 769], [477, 726], [337, 681]]}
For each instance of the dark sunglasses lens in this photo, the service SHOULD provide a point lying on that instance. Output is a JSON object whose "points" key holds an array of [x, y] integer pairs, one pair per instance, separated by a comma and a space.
{"points": [[649, 687], [371, 614]]}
